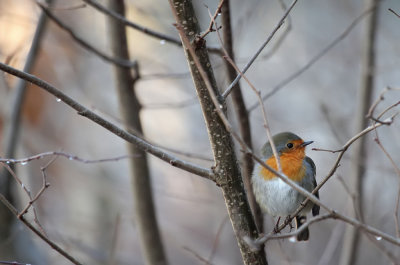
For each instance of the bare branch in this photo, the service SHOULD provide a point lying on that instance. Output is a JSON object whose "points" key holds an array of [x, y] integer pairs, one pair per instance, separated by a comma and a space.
{"points": [[130, 107], [315, 58], [65, 155], [377, 140], [212, 21], [85, 112], [242, 115], [83, 43], [227, 173], [196, 255], [255, 244], [37, 232], [269, 38], [391, 10], [352, 235], [217, 237], [11, 131], [138, 27]]}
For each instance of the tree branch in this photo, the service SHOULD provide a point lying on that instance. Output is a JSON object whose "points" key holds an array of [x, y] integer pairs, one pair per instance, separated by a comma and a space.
{"points": [[37, 232], [227, 173], [359, 157], [147, 31], [313, 60], [145, 216], [241, 114], [85, 112], [269, 38], [10, 140], [83, 43]]}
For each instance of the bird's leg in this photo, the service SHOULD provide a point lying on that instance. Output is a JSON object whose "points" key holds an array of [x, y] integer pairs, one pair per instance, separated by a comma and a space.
{"points": [[276, 228], [288, 221]]}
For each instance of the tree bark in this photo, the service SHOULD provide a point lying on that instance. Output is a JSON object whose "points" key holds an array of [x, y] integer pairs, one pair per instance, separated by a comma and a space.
{"points": [[242, 115], [226, 169], [145, 216], [359, 157]]}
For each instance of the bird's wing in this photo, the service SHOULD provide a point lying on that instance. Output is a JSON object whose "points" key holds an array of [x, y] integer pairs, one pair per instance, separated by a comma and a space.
{"points": [[315, 209]]}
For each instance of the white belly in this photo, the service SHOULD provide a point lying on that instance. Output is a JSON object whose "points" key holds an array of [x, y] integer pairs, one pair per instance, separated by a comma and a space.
{"points": [[275, 196]]}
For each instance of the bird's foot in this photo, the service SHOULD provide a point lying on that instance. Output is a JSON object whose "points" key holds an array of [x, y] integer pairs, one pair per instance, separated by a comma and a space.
{"points": [[276, 228], [288, 221]]}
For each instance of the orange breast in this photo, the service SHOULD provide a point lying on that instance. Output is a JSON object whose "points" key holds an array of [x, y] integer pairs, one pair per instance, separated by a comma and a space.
{"points": [[292, 165]]}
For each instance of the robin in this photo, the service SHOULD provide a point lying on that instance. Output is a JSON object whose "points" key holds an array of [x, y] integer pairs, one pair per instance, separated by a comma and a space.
{"points": [[272, 194]]}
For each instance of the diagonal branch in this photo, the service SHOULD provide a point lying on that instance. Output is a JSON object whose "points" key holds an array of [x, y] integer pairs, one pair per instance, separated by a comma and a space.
{"points": [[227, 173], [242, 115], [147, 31], [52, 244], [269, 38], [313, 60], [85, 112], [83, 43]]}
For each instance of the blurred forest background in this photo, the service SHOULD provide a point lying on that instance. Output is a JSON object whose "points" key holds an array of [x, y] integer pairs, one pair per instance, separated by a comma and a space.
{"points": [[88, 208]]}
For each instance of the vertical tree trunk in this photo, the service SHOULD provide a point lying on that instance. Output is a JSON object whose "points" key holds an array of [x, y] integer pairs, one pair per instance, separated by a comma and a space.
{"points": [[359, 157], [242, 115], [10, 142], [145, 216], [227, 172]]}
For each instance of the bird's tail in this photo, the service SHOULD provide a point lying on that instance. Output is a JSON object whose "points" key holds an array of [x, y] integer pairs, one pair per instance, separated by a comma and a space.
{"points": [[305, 234]]}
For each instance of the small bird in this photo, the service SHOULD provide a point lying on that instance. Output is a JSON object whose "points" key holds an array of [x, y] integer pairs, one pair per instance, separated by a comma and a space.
{"points": [[274, 196]]}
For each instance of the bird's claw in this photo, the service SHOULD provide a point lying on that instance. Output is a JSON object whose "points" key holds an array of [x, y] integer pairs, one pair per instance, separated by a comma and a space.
{"points": [[288, 221]]}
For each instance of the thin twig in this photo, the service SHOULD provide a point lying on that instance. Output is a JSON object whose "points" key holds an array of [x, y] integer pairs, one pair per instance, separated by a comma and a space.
{"points": [[282, 37], [374, 240], [131, 24], [196, 255], [212, 21], [377, 140], [327, 150], [334, 129], [114, 240], [262, 240], [166, 148], [269, 38], [71, 157], [217, 237], [85, 112], [37, 232], [45, 185], [242, 116], [147, 31], [257, 92], [314, 59], [396, 213], [391, 10], [345, 186], [85, 44], [12, 263], [264, 113]]}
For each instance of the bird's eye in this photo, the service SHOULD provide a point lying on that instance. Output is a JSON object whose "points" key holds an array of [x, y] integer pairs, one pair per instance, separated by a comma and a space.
{"points": [[289, 145]]}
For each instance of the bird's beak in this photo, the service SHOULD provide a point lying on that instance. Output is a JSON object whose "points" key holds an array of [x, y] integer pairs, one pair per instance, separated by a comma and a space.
{"points": [[306, 143]]}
